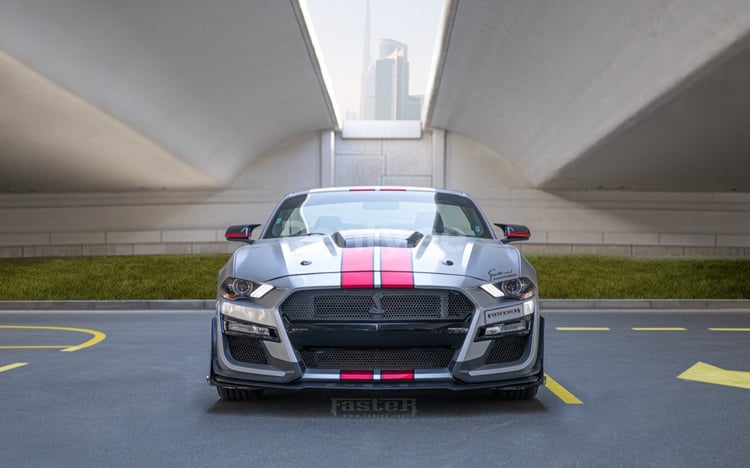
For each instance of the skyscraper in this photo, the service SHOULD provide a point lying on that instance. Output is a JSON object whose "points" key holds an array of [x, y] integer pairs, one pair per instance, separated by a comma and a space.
{"points": [[391, 81], [414, 108], [385, 93], [385, 81], [365, 103]]}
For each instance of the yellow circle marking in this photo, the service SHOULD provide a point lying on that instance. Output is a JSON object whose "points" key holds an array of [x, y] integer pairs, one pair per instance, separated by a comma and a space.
{"points": [[96, 337], [33, 347]]}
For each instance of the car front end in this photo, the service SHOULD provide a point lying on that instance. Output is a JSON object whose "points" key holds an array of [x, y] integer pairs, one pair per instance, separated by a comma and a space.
{"points": [[384, 307]]}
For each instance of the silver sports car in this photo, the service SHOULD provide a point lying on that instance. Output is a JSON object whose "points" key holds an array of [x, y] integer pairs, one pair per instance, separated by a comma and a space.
{"points": [[377, 288]]}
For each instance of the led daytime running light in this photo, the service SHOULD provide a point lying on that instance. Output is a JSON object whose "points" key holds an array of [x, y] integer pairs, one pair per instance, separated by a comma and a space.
{"points": [[261, 291]]}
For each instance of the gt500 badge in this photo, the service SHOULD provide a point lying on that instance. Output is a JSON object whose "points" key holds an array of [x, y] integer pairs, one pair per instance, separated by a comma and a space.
{"points": [[498, 315]]}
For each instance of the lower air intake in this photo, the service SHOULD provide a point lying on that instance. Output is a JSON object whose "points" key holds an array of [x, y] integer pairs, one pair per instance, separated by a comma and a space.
{"points": [[249, 350], [507, 349], [385, 358]]}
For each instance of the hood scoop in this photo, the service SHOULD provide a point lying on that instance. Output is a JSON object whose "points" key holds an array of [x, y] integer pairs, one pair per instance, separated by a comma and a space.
{"points": [[381, 238]]}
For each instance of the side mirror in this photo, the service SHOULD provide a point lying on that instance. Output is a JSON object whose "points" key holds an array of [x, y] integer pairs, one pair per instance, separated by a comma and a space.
{"points": [[240, 233], [514, 232]]}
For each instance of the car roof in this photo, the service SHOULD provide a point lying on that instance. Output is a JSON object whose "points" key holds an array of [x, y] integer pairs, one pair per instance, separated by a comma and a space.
{"points": [[377, 188]]}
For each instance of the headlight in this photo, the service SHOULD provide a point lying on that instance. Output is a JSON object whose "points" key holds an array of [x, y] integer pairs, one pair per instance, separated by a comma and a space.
{"points": [[517, 288], [239, 289]]}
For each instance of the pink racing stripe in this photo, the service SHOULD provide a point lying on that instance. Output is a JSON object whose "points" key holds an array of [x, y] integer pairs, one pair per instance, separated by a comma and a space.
{"points": [[356, 375], [397, 375], [357, 268], [396, 268]]}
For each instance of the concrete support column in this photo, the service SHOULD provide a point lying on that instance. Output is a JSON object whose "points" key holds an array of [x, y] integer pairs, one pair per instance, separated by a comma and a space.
{"points": [[327, 158], [438, 158]]}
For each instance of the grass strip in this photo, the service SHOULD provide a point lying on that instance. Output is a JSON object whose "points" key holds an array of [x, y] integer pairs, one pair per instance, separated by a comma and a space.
{"points": [[600, 277], [194, 277], [111, 278]]}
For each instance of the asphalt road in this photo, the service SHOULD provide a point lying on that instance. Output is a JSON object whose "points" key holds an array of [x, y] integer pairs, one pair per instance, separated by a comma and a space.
{"points": [[139, 398]]}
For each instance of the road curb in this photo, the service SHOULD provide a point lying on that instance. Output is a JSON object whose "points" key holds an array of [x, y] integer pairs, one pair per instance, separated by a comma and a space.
{"points": [[545, 304], [196, 304], [644, 304]]}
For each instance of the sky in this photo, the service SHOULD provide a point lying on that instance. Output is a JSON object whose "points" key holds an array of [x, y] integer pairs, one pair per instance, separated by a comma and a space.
{"points": [[339, 26]]}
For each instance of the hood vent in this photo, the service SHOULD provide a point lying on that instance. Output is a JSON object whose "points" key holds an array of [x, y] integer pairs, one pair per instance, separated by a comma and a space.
{"points": [[370, 238]]}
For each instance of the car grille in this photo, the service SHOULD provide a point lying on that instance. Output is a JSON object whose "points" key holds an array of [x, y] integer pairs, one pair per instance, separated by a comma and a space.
{"points": [[376, 304], [507, 349], [244, 349], [385, 358]]}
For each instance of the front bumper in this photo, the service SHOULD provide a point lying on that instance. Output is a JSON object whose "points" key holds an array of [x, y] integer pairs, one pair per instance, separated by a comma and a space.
{"points": [[280, 364], [511, 384]]}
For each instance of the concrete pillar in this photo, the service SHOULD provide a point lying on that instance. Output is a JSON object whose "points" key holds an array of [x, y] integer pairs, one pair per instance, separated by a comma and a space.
{"points": [[327, 158], [438, 158]]}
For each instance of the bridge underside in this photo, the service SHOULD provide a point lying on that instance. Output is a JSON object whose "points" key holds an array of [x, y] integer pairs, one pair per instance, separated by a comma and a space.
{"points": [[151, 95], [146, 127], [637, 95], [120, 96]]}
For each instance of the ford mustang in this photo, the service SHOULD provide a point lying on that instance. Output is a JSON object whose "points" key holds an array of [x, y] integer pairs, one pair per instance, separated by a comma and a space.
{"points": [[377, 288]]}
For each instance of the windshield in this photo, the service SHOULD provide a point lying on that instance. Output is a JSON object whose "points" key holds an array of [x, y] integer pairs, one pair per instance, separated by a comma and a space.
{"points": [[425, 212]]}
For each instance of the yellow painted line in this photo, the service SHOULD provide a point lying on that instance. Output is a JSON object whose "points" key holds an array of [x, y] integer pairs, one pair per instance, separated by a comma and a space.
{"points": [[706, 373], [561, 392], [730, 329], [96, 336], [658, 329], [33, 347], [582, 328], [15, 365]]}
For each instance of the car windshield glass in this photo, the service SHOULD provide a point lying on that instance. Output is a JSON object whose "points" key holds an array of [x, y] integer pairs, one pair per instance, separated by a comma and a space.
{"points": [[422, 211]]}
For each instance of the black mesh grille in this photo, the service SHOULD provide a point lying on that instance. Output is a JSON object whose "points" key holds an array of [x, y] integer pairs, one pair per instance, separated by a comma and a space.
{"points": [[244, 349], [507, 349], [376, 304], [387, 358]]}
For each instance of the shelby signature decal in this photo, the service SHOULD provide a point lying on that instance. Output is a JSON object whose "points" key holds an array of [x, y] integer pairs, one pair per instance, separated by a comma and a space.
{"points": [[496, 275]]}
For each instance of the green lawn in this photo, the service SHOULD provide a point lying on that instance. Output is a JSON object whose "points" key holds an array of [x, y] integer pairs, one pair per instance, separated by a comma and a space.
{"points": [[597, 277], [194, 277], [111, 278]]}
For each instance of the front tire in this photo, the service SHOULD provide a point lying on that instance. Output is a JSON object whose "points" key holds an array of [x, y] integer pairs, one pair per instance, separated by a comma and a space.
{"points": [[238, 394]]}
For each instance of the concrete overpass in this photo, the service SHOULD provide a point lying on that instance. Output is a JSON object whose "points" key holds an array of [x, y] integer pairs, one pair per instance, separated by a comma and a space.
{"points": [[116, 96], [637, 95], [146, 126]]}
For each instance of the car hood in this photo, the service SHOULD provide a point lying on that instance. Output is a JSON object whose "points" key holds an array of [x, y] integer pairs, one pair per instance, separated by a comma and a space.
{"points": [[486, 260]]}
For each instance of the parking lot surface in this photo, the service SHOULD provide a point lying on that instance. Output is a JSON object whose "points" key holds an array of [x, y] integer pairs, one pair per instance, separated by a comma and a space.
{"points": [[667, 388]]}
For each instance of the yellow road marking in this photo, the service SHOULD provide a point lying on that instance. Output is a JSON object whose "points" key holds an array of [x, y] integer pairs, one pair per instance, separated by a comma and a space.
{"points": [[15, 365], [97, 336], [730, 329], [33, 347], [561, 392], [706, 373], [582, 328], [658, 329]]}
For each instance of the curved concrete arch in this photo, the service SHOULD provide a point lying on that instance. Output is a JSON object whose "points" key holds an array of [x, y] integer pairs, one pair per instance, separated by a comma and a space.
{"points": [[561, 88], [206, 86]]}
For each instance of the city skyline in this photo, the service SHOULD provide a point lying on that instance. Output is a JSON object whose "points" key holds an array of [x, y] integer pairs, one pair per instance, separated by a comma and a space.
{"points": [[385, 85], [340, 28]]}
